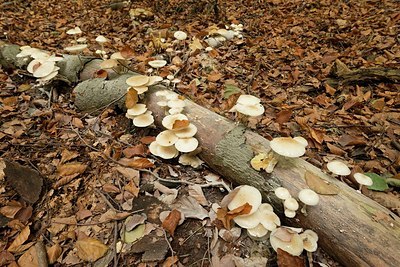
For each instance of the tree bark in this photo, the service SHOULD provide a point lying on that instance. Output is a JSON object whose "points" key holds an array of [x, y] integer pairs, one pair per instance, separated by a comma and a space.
{"points": [[352, 228]]}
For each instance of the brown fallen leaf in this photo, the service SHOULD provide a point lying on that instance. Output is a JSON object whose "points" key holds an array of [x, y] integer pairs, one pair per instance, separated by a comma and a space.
{"points": [[20, 239], [6, 258], [11, 209], [283, 116], [287, 260], [214, 76], [226, 216], [131, 98], [90, 249], [320, 185], [137, 163], [179, 124], [67, 155], [137, 150], [171, 222], [170, 261], [71, 169], [53, 253], [29, 258]]}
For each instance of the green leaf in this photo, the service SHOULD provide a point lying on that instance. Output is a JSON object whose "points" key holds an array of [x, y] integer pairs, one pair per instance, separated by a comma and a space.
{"points": [[379, 183], [230, 89]]}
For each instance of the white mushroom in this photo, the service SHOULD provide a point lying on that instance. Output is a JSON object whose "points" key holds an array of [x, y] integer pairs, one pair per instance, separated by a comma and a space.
{"points": [[143, 120], [301, 140], [137, 110], [74, 31], [180, 35], [310, 239], [76, 48], [186, 144], [308, 197], [169, 121], [186, 132], [157, 63], [101, 39], [192, 160], [362, 179], [291, 204], [290, 213], [282, 193], [257, 232], [287, 147], [246, 194], [338, 168], [287, 240], [137, 80], [166, 138]]}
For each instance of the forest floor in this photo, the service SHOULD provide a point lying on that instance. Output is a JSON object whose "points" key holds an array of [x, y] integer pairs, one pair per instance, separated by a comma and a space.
{"points": [[290, 55]]}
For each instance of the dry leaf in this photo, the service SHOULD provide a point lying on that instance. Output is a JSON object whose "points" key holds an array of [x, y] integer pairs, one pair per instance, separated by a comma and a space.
{"points": [[283, 116], [20, 239], [90, 249], [195, 45], [319, 185], [132, 221], [29, 258], [53, 253], [131, 98], [67, 155], [132, 188], [287, 260], [137, 150], [71, 169], [170, 261], [226, 216], [137, 163], [191, 208], [214, 76], [127, 52], [335, 150], [171, 222], [179, 124], [11, 209], [196, 192], [101, 74]]}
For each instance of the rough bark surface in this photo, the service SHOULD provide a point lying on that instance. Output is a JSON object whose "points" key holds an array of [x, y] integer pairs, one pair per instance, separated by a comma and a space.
{"points": [[352, 228]]}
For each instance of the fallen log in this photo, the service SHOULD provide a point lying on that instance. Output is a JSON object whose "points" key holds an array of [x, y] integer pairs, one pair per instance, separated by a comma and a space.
{"points": [[353, 229]]}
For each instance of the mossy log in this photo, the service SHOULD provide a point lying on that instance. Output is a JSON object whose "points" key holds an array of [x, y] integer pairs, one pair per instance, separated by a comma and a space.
{"points": [[353, 229]]}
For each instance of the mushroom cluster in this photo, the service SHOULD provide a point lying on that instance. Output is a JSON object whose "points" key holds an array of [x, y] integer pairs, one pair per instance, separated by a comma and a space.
{"points": [[179, 133], [78, 43], [293, 241], [290, 204], [140, 116], [43, 66], [248, 105], [219, 36]]}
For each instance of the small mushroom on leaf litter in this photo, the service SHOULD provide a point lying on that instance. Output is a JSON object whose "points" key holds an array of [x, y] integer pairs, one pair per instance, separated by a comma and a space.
{"points": [[362, 179], [308, 197]]}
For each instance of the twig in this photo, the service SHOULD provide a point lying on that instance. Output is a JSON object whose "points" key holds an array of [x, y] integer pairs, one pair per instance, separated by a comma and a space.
{"points": [[115, 244], [105, 199], [187, 238], [169, 244], [252, 76]]}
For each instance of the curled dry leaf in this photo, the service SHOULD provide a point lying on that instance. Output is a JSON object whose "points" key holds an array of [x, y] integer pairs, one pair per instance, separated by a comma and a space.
{"points": [[191, 208], [90, 249], [137, 163], [53, 253], [197, 192], [226, 216], [29, 258], [20, 239], [179, 124], [287, 260], [67, 155], [320, 185], [131, 98], [171, 222]]}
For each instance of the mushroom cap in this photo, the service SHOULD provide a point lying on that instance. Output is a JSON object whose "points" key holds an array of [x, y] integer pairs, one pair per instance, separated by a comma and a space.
{"points": [[137, 110], [101, 39], [137, 80], [166, 138], [258, 231], [180, 35], [44, 69], [186, 144], [165, 152], [176, 103], [250, 110], [290, 213], [287, 147], [117, 55], [143, 120], [246, 194], [363, 179], [339, 168], [154, 79], [227, 34], [269, 220], [49, 76], [248, 221], [75, 30], [301, 140], [169, 120], [192, 160], [81, 40], [308, 197], [172, 111], [291, 204], [159, 63], [76, 48], [282, 193], [162, 103], [248, 100], [186, 132], [109, 64], [286, 240], [310, 239], [140, 89]]}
